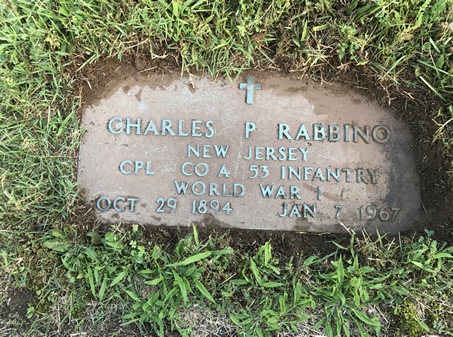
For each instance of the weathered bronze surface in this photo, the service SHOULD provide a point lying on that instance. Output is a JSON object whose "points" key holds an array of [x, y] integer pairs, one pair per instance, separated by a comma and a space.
{"points": [[303, 157]]}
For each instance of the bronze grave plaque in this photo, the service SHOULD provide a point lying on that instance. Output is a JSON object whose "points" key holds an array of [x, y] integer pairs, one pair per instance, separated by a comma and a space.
{"points": [[267, 152]]}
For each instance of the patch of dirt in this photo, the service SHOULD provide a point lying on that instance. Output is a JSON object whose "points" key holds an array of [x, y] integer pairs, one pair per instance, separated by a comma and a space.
{"points": [[284, 244], [95, 80], [17, 302]]}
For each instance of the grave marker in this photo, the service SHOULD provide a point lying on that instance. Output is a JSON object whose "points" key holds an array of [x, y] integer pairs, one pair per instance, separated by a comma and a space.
{"points": [[291, 157]]}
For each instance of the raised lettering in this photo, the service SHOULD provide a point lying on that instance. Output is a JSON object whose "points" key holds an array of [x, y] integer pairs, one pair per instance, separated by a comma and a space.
{"points": [[118, 125], [283, 131]]}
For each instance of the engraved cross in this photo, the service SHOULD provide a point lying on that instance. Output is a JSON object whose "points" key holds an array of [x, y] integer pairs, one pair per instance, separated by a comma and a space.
{"points": [[250, 86]]}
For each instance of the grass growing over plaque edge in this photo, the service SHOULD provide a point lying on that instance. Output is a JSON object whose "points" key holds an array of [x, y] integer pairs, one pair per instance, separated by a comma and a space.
{"points": [[404, 47]]}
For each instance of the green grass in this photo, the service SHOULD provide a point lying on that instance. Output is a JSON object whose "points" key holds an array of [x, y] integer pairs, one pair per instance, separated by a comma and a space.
{"points": [[363, 288], [83, 281]]}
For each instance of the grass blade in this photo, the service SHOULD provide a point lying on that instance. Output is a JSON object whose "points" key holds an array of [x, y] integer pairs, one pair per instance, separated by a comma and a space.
{"points": [[91, 281], [182, 287], [365, 319], [256, 272], [103, 287], [191, 259], [155, 281], [119, 277], [203, 290]]}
